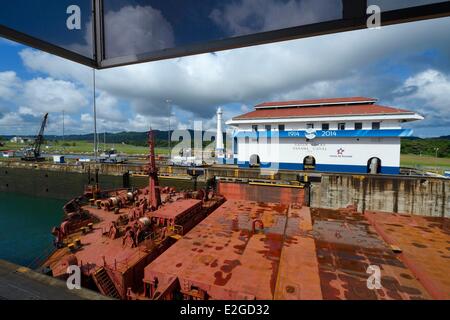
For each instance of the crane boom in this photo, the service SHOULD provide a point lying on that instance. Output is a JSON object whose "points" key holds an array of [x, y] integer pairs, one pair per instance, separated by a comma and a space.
{"points": [[34, 154], [40, 138]]}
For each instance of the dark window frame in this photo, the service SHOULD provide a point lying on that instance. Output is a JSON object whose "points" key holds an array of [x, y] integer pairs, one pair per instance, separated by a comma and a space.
{"points": [[376, 125], [358, 125]]}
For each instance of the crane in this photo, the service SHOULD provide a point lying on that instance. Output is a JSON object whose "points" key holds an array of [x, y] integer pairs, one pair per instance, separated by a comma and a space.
{"points": [[34, 153]]}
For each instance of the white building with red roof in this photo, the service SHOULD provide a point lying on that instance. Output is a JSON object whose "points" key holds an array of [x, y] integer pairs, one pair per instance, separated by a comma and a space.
{"points": [[354, 135]]}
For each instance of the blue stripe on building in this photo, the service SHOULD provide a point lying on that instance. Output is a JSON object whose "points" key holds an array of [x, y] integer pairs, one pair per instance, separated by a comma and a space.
{"points": [[385, 133], [321, 167]]}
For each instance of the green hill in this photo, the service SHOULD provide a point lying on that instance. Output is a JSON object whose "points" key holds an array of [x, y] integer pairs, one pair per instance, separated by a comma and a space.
{"points": [[427, 147]]}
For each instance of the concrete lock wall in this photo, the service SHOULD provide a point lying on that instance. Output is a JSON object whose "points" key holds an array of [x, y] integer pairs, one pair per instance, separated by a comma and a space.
{"points": [[66, 185], [418, 196], [50, 184]]}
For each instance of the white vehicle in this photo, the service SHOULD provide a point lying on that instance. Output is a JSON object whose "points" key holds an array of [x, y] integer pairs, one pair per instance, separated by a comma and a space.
{"points": [[111, 156], [59, 159], [8, 154], [185, 161]]}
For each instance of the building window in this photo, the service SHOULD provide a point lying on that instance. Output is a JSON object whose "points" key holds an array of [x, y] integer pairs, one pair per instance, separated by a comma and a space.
{"points": [[255, 128], [281, 127], [325, 126], [310, 126], [376, 125], [341, 126], [358, 126], [268, 127]]}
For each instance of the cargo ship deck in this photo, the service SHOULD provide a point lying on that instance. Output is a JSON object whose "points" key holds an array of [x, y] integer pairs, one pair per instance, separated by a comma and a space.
{"points": [[253, 250], [98, 249]]}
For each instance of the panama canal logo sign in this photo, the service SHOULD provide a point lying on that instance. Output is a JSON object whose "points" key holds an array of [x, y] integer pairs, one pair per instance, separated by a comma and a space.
{"points": [[310, 134], [340, 153]]}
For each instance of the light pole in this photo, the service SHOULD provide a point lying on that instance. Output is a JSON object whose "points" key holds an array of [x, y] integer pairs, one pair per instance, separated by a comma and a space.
{"points": [[437, 150], [63, 130], [95, 118], [169, 136]]}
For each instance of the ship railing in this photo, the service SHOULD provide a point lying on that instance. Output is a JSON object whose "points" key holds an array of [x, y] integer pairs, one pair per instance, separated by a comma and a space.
{"points": [[125, 264], [155, 237]]}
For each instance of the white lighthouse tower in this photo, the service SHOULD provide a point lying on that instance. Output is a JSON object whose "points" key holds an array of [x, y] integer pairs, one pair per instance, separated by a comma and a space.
{"points": [[219, 135]]}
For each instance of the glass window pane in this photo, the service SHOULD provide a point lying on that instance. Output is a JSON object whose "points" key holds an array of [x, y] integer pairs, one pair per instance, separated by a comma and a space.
{"points": [[47, 21], [388, 5], [147, 26]]}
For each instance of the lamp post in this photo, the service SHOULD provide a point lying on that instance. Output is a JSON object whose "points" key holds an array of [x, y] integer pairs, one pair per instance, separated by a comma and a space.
{"points": [[169, 136], [63, 130], [437, 150], [95, 118]]}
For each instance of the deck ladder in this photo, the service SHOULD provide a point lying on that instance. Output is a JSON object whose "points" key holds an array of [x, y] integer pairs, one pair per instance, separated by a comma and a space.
{"points": [[105, 284]]}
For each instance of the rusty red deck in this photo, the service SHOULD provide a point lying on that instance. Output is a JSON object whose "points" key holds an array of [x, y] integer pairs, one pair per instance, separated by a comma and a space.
{"points": [[425, 245], [261, 193], [95, 246], [98, 249], [300, 254], [346, 245], [175, 209]]}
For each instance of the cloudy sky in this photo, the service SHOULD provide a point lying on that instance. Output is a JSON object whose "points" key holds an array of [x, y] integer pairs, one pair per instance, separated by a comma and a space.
{"points": [[405, 66]]}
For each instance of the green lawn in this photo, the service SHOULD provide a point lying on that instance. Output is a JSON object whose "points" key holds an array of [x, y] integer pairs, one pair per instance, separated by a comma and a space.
{"points": [[416, 161], [84, 147]]}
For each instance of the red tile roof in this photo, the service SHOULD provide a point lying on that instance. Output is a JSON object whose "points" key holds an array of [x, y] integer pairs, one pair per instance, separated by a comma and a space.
{"points": [[320, 108], [351, 100]]}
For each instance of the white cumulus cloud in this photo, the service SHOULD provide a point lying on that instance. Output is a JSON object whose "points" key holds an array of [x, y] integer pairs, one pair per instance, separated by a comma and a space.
{"points": [[50, 95], [9, 85], [251, 16]]}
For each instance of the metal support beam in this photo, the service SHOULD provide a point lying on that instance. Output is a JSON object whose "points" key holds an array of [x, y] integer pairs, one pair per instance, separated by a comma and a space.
{"points": [[98, 31], [354, 17], [353, 9], [36, 43]]}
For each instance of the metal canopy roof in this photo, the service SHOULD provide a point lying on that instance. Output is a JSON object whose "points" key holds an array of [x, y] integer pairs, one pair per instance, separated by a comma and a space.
{"points": [[115, 33]]}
